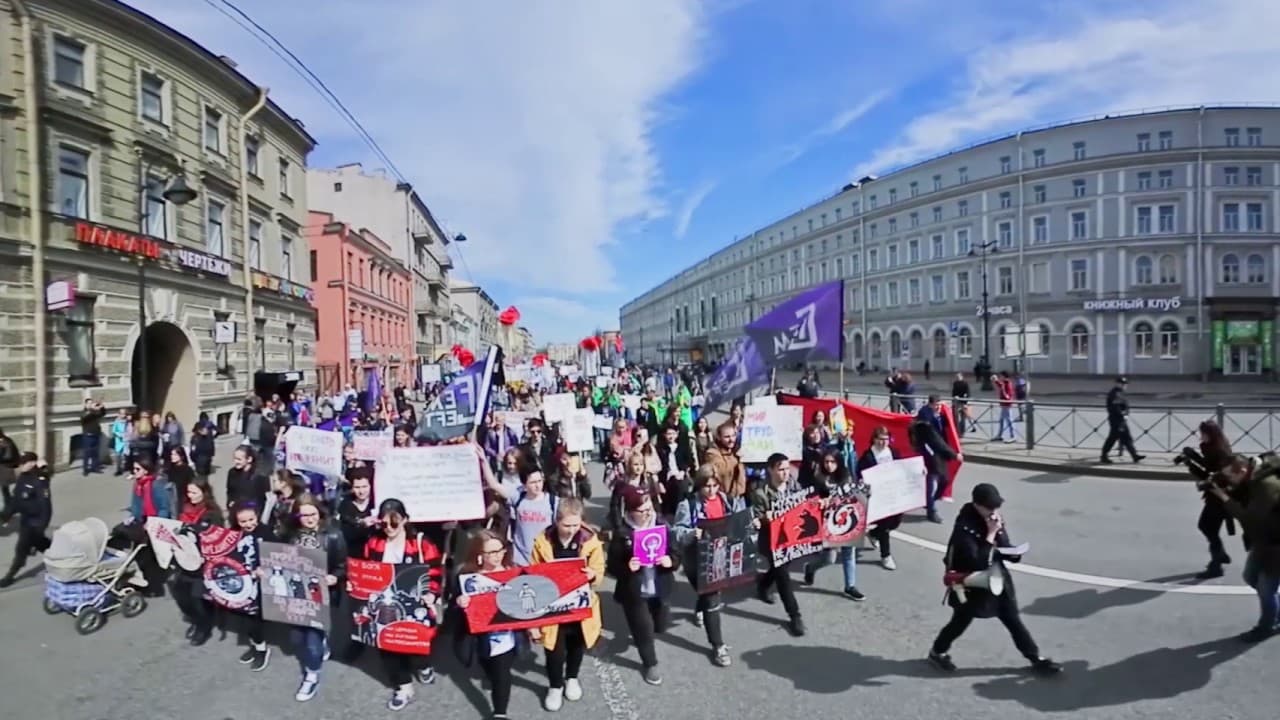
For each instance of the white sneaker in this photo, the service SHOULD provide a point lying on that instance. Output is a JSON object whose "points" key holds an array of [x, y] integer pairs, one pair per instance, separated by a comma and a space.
{"points": [[887, 563], [400, 698], [327, 654], [307, 690], [572, 690], [554, 699]]}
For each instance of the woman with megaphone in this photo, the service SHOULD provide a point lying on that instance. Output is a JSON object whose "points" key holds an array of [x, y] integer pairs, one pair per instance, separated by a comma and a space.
{"points": [[978, 583]]}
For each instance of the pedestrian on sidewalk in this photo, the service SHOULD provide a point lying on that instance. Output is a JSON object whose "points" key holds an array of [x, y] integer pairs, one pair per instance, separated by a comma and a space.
{"points": [[1005, 391], [10, 456], [91, 436], [1117, 419], [32, 500]]}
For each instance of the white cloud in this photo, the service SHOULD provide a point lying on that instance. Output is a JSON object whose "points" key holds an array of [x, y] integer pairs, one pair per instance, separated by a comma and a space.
{"points": [[1191, 52], [836, 125], [526, 126], [691, 203]]}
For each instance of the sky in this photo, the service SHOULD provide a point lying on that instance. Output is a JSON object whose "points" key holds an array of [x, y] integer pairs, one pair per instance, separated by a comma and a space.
{"points": [[590, 150]]}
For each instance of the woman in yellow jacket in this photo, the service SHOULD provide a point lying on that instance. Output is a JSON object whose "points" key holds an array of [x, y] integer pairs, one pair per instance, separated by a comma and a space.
{"points": [[567, 644]]}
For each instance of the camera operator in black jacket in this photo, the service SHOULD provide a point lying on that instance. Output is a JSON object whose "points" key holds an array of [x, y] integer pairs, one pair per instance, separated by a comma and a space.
{"points": [[32, 500], [1213, 457]]}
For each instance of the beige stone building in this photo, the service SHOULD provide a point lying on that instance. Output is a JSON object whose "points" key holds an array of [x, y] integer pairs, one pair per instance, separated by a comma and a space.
{"points": [[109, 121]]}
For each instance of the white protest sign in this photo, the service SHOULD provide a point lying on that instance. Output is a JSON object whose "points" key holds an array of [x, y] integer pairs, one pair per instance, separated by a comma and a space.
{"points": [[896, 487], [311, 450], [631, 402], [556, 407], [515, 419], [772, 429], [439, 483], [168, 542], [576, 430], [765, 401], [519, 373], [431, 373], [370, 444], [568, 370], [602, 422], [603, 381], [606, 370]]}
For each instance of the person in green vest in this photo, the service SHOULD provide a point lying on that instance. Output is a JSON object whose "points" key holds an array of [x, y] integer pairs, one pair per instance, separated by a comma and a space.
{"points": [[684, 402]]}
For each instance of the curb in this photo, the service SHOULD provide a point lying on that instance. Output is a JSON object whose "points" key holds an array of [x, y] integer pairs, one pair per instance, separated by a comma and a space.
{"points": [[1123, 472]]}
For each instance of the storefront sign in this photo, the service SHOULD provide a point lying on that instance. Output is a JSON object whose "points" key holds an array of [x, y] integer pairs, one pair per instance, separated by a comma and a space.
{"points": [[995, 310], [1122, 304], [282, 286], [201, 261], [224, 332], [141, 246], [59, 295]]}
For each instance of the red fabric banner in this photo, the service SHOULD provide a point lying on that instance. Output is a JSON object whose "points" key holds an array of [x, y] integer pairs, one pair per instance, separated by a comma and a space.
{"points": [[550, 593], [390, 612]]}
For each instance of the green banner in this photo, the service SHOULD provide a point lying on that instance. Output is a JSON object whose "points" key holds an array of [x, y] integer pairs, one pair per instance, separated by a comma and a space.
{"points": [[1242, 331], [1219, 343], [1268, 346]]}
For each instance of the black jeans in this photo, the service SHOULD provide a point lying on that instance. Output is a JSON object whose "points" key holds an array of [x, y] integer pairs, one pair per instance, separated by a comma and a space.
{"points": [[29, 538], [400, 667], [565, 659], [255, 629], [710, 606], [497, 669], [645, 616], [1119, 433], [125, 536], [780, 577], [188, 593], [1212, 518], [1008, 613]]}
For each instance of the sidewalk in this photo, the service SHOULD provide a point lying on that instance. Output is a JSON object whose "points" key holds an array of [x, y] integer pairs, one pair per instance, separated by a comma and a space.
{"points": [[1062, 461]]}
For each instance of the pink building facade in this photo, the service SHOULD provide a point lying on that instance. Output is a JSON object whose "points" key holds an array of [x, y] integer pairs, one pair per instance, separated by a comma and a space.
{"points": [[364, 307]]}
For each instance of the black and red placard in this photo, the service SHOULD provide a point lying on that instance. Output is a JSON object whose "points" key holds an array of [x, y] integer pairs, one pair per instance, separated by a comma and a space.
{"points": [[545, 594], [391, 611], [796, 529]]}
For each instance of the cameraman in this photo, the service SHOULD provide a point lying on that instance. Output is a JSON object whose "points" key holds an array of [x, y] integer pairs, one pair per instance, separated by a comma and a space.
{"points": [[1259, 514], [1215, 454]]}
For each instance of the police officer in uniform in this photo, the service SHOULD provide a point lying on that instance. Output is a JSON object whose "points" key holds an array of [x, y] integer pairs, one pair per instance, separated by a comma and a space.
{"points": [[1117, 419], [31, 500]]}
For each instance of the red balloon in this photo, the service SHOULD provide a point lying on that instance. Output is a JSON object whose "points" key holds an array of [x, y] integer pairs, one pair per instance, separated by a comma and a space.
{"points": [[455, 350], [510, 316], [466, 358]]}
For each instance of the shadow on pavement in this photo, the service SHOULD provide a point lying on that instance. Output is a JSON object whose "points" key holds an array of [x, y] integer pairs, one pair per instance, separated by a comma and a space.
{"points": [[1154, 675], [1048, 478], [831, 670], [1084, 603]]}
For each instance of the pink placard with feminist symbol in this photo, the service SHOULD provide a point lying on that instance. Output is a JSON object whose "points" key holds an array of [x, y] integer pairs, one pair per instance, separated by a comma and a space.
{"points": [[649, 545]]}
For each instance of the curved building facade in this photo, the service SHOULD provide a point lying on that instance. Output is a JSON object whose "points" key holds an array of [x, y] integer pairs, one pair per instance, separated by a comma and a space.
{"points": [[1142, 244]]}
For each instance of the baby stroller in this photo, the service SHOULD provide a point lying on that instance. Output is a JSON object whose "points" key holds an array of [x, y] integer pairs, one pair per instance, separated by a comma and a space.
{"points": [[85, 578]]}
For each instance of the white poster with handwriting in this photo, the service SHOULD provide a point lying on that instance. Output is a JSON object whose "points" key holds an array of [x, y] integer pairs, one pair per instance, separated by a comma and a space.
{"points": [[438, 483], [577, 429], [556, 408], [311, 450], [769, 429], [896, 487]]}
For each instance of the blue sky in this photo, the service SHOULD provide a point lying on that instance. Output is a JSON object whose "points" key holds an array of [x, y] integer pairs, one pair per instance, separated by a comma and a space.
{"points": [[590, 149]]}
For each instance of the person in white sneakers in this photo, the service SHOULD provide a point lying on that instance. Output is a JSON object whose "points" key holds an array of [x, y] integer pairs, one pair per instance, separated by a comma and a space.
{"points": [[311, 531], [494, 651], [880, 451]]}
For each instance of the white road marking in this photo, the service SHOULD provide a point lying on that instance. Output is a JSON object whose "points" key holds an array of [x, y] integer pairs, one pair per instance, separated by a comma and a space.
{"points": [[621, 706], [1095, 580]]}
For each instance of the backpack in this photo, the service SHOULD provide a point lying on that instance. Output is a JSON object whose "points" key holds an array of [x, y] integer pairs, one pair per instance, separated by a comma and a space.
{"points": [[555, 501]]}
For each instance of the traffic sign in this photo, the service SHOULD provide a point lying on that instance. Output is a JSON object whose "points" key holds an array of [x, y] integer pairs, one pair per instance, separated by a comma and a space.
{"points": [[954, 327]]}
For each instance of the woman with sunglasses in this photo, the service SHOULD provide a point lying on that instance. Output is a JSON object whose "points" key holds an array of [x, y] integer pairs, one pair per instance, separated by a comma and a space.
{"points": [[312, 531], [879, 452], [707, 502], [494, 651], [151, 497]]}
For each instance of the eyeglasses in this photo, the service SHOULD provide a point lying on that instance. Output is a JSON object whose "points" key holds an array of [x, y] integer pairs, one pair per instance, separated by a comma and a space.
{"points": [[311, 514], [497, 551]]}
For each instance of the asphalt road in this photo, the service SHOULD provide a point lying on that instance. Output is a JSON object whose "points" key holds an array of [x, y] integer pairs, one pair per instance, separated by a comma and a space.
{"points": [[1166, 649]]}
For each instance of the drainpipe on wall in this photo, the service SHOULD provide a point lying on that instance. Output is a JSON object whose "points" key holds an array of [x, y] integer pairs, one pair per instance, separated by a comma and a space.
{"points": [[1022, 281], [1207, 363], [35, 216], [250, 329], [862, 272]]}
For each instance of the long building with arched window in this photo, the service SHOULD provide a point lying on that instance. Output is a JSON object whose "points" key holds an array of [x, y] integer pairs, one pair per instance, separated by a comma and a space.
{"points": [[1143, 244]]}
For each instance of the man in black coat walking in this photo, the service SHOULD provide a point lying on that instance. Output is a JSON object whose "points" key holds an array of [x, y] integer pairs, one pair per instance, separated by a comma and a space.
{"points": [[1117, 419], [31, 499]]}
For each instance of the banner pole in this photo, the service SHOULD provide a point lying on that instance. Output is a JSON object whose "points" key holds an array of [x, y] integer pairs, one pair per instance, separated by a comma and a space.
{"points": [[841, 377], [773, 380]]}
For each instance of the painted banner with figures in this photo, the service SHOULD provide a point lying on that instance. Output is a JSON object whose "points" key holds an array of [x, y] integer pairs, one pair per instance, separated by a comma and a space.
{"points": [[539, 595], [294, 587], [391, 610], [726, 554], [230, 559]]}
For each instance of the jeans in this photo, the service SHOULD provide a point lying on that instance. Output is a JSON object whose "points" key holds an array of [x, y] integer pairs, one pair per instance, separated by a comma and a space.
{"points": [[565, 659], [848, 563], [780, 577], [91, 452], [310, 645], [1267, 586], [1006, 422], [710, 606], [962, 616], [29, 537], [497, 669], [932, 487], [645, 616]]}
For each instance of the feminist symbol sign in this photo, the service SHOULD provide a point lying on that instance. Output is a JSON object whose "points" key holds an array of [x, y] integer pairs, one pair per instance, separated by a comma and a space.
{"points": [[649, 545]]}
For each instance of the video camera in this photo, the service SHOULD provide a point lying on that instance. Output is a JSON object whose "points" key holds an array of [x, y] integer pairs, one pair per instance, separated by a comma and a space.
{"points": [[1198, 467]]}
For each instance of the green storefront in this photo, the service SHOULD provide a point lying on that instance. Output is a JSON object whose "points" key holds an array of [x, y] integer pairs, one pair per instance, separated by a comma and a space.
{"points": [[1243, 347]]}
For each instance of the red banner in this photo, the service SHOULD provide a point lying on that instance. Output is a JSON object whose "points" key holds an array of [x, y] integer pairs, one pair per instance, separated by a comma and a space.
{"points": [[844, 520], [550, 593], [391, 614], [230, 557], [797, 528], [865, 420]]}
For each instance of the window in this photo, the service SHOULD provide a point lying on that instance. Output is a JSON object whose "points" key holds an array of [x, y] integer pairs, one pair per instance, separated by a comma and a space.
{"points": [[1231, 176], [937, 182], [285, 170], [963, 175], [937, 214], [962, 241], [964, 342], [913, 251], [1038, 277], [1038, 194], [873, 230], [1006, 165], [913, 291], [69, 60], [255, 245], [315, 266], [1232, 137], [260, 341], [893, 225], [1144, 142], [1168, 339], [1077, 150], [1143, 226], [1167, 219], [914, 188], [1006, 200], [1231, 217], [824, 219], [873, 297], [962, 285], [1079, 274], [1253, 214], [288, 339], [151, 97], [212, 130], [286, 257], [1168, 267], [839, 267], [1144, 181], [893, 256], [871, 202], [1079, 225], [78, 335], [1166, 139], [937, 289], [1166, 179], [873, 260], [938, 249], [892, 299], [1040, 229], [1230, 265], [1255, 269], [1004, 280], [214, 237], [895, 344], [810, 224], [251, 152], [1079, 337], [1077, 188], [1253, 176], [893, 195], [1143, 271], [1253, 136], [155, 210], [1037, 158], [915, 219], [1004, 234], [962, 208], [939, 344], [1143, 336], [73, 181], [855, 266]]}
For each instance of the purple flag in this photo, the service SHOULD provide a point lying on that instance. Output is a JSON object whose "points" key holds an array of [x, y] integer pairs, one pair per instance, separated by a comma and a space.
{"points": [[373, 389], [806, 328], [461, 406], [742, 371]]}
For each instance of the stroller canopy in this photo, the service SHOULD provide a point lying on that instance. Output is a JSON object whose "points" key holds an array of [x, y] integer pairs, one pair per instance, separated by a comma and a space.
{"points": [[76, 550]]}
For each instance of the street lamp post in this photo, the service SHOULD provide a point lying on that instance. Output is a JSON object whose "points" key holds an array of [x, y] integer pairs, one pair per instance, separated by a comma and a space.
{"points": [[671, 347], [981, 252]]}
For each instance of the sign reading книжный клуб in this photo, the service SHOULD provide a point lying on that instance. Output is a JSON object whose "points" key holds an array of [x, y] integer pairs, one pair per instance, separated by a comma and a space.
{"points": [[1119, 304]]}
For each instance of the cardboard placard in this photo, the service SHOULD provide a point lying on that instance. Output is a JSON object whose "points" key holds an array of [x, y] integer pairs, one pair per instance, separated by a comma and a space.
{"points": [[391, 612], [311, 450], [769, 429], [556, 407], [528, 597], [436, 483], [727, 554], [577, 429], [896, 487], [294, 590]]}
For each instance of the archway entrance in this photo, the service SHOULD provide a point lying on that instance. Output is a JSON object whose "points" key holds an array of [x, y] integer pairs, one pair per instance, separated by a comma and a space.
{"points": [[171, 381]]}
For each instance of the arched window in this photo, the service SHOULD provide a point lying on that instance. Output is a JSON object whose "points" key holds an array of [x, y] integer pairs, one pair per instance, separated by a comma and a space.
{"points": [[857, 346], [895, 345], [917, 344], [1168, 270], [939, 344], [877, 347], [1079, 339], [964, 342], [1143, 336], [1255, 269], [1230, 268], [1168, 339], [1045, 332], [1143, 271]]}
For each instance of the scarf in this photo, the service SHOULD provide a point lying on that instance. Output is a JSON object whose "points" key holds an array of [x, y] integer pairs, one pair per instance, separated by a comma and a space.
{"points": [[191, 514], [142, 489]]}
